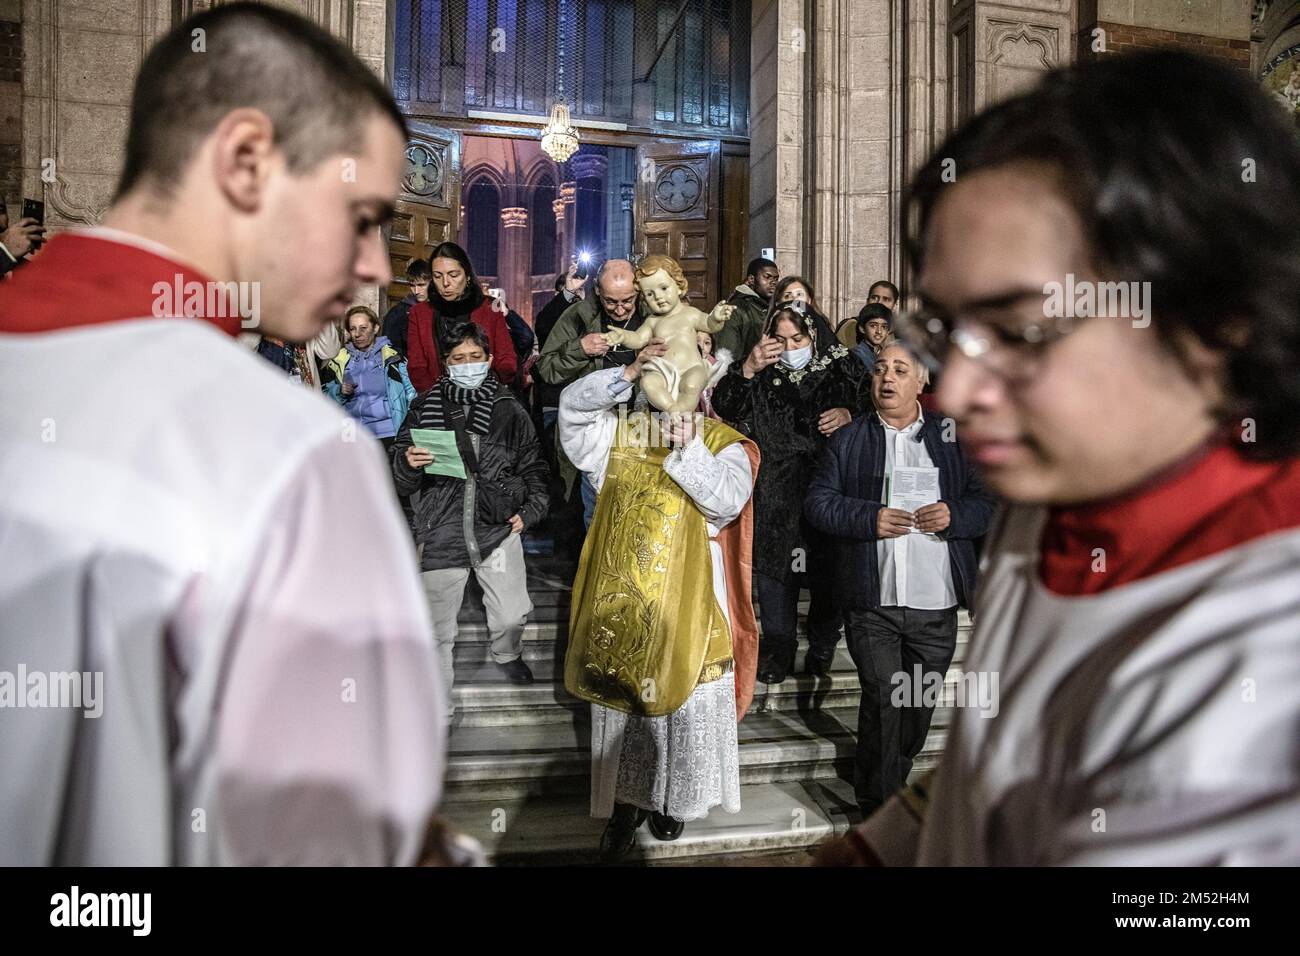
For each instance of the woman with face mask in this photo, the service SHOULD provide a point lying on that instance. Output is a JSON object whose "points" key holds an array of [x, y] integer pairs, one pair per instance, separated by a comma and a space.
{"points": [[796, 387], [455, 295], [474, 523]]}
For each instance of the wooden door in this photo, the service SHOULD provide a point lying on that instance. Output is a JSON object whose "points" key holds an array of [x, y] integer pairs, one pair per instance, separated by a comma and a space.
{"points": [[427, 210], [676, 211]]}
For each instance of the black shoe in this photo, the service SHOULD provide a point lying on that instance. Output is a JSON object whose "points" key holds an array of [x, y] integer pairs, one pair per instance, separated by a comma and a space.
{"points": [[817, 666], [772, 671], [517, 671], [666, 828], [620, 833]]}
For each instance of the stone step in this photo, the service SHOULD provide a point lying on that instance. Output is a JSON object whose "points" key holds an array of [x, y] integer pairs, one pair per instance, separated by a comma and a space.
{"points": [[496, 764], [484, 698], [544, 640], [786, 815]]}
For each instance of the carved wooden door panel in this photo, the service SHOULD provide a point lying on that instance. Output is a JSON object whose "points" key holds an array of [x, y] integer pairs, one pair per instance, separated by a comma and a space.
{"points": [[676, 211], [428, 206]]}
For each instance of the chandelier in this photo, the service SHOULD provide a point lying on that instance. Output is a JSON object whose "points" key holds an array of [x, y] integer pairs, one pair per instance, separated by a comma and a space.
{"points": [[559, 137]]}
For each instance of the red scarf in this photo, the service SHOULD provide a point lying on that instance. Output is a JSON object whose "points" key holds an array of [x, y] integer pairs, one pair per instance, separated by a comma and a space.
{"points": [[86, 279], [1212, 501]]}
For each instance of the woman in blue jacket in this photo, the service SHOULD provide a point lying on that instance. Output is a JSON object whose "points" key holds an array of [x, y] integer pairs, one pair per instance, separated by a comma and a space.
{"points": [[370, 378]]}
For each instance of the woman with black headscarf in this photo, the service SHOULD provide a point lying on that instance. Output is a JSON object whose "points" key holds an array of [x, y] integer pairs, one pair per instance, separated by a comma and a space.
{"points": [[796, 387]]}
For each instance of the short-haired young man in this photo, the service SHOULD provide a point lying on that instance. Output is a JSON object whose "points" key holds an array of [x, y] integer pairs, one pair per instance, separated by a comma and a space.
{"points": [[751, 299], [885, 293], [182, 513]]}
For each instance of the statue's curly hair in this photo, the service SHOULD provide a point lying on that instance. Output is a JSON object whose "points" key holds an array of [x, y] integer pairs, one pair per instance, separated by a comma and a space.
{"points": [[653, 263]]}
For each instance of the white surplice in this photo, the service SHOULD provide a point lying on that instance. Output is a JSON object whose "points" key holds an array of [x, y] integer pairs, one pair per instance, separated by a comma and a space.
{"points": [[226, 551], [687, 762], [1150, 724]]}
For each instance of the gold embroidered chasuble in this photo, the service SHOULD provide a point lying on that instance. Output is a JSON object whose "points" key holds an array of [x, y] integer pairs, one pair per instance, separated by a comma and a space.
{"points": [[645, 627]]}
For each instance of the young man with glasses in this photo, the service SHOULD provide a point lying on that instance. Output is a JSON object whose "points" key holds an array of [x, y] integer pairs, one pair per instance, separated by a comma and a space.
{"points": [[1138, 598]]}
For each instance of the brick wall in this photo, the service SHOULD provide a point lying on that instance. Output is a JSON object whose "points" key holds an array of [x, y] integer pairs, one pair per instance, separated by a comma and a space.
{"points": [[1126, 38], [11, 114]]}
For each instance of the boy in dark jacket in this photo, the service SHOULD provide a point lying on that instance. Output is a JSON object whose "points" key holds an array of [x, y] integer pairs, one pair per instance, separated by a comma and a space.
{"points": [[395, 322], [476, 522]]}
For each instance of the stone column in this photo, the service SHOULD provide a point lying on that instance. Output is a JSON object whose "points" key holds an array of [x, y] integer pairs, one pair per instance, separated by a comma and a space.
{"points": [[80, 60], [1000, 48], [513, 264], [561, 250], [569, 196], [825, 143]]}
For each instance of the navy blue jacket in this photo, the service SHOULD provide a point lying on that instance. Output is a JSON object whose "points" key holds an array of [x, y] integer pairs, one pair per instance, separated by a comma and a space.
{"points": [[843, 502]]}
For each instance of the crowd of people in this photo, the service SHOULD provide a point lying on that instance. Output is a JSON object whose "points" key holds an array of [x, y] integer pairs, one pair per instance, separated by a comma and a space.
{"points": [[244, 580]]}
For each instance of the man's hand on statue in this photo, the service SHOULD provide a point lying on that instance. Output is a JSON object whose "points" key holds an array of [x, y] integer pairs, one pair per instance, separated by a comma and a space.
{"points": [[418, 457], [516, 524], [654, 349], [833, 418], [893, 523], [595, 344], [765, 353], [933, 518], [681, 429]]}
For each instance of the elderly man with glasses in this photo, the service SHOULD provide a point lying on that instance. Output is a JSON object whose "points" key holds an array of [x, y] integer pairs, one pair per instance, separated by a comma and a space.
{"points": [[577, 347], [905, 562]]}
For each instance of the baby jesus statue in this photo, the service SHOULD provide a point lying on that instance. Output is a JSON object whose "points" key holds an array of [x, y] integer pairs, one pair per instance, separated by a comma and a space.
{"points": [[674, 381]]}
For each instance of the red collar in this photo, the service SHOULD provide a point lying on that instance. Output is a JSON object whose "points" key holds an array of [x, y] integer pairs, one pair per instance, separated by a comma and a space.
{"points": [[88, 278], [1212, 501]]}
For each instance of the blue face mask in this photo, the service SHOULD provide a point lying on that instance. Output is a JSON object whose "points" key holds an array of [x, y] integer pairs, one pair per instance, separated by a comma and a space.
{"points": [[796, 358], [469, 375]]}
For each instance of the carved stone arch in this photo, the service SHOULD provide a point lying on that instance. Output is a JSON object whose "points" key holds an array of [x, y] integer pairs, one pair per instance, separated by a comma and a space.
{"points": [[485, 171]]}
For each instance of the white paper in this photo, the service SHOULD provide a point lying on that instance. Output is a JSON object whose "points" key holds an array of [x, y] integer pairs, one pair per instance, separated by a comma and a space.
{"points": [[913, 488]]}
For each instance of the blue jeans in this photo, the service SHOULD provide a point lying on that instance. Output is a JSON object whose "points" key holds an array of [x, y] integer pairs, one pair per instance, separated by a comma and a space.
{"points": [[588, 500]]}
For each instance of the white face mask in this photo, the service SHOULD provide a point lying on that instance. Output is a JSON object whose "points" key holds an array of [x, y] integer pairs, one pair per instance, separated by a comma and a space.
{"points": [[796, 358], [469, 375]]}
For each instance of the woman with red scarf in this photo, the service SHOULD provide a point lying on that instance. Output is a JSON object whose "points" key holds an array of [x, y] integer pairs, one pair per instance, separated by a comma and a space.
{"points": [[454, 295]]}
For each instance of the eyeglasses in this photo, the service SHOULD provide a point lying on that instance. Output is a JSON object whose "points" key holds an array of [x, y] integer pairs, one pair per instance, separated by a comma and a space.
{"points": [[1016, 356]]}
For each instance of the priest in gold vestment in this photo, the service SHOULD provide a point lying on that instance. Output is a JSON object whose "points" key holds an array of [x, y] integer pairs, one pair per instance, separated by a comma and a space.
{"points": [[662, 636]]}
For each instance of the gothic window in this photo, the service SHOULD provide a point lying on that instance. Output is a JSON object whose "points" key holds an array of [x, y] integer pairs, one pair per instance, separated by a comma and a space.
{"points": [[541, 221], [482, 222]]}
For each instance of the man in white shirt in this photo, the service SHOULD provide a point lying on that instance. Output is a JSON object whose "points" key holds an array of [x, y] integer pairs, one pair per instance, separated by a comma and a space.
{"points": [[176, 514], [903, 572]]}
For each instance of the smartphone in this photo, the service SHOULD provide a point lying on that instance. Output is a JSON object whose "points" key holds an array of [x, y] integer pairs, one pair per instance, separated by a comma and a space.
{"points": [[34, 209], [496, 293]]}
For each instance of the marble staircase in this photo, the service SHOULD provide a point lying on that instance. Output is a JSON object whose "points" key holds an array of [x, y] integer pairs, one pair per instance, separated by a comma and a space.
{"points": [[518, 775]]}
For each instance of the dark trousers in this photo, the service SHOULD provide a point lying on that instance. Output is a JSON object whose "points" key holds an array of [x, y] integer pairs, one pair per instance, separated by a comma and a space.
{"points": [[779, 611], [885, 641]]}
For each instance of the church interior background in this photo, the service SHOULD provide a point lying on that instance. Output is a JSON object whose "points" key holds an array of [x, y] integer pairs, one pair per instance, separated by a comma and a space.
{"points": [[708, 130], [722, 128]]}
